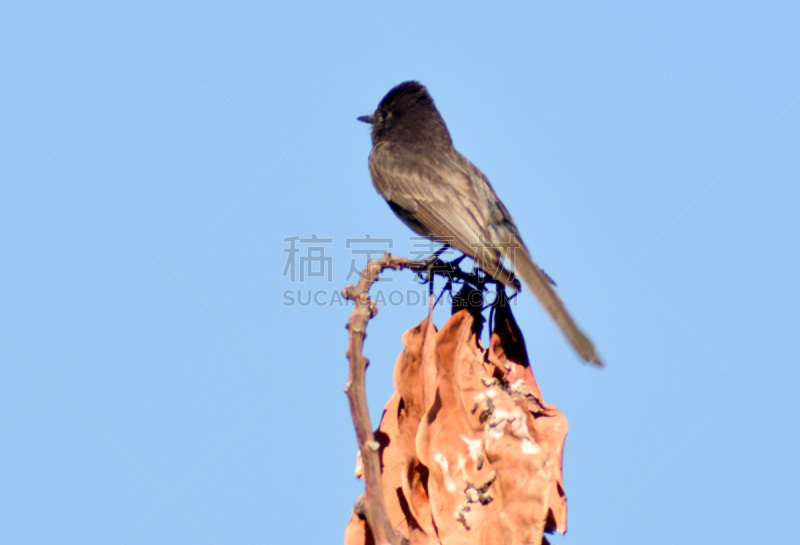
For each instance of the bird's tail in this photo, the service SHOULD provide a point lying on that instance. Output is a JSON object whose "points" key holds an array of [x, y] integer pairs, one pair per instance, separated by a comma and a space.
{"points": [[539, 284]]}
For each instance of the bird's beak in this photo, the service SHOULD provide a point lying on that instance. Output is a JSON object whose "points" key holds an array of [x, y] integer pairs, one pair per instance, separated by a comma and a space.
{"points": [[367, 118]]}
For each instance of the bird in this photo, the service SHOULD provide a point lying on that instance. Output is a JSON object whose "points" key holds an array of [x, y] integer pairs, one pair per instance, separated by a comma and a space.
{"points": [[441, 195]]}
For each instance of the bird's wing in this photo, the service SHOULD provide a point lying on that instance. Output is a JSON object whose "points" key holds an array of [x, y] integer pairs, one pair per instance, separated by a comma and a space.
{"points": [[431, 193]]}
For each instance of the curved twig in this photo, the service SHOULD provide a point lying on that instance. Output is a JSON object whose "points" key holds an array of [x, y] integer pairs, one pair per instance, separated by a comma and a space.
{"points": [[365, 309]]}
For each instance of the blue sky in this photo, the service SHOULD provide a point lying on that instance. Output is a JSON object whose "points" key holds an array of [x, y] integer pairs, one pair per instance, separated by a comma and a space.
{"points": [[154, 387]]}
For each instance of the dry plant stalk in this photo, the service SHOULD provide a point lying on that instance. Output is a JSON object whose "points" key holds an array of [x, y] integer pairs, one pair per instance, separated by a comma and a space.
{"points": [[467, 451]]}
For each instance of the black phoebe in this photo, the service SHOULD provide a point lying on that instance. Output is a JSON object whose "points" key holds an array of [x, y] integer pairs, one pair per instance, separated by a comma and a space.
{"points": [[439, 194]]}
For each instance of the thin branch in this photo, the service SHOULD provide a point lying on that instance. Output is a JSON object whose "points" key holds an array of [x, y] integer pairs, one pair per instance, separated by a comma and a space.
{"points": [[373, 505], [365, 308]]}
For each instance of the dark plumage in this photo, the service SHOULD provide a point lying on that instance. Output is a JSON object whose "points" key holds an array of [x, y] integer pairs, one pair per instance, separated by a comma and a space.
{"points": [[439, 194]]}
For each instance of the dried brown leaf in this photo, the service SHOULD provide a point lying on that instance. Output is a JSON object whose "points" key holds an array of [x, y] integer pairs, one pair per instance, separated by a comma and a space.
{"points": [[470, 451]]}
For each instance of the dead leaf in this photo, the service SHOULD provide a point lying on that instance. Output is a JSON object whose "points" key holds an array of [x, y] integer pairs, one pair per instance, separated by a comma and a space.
{"points": [[470, 451]]}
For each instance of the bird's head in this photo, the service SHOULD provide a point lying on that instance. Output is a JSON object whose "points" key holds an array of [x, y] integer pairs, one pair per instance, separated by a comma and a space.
{"points": [[407, 113]]}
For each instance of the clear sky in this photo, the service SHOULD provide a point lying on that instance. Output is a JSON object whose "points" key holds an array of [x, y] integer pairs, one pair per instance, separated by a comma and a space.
{"points": [[156, 386]]}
